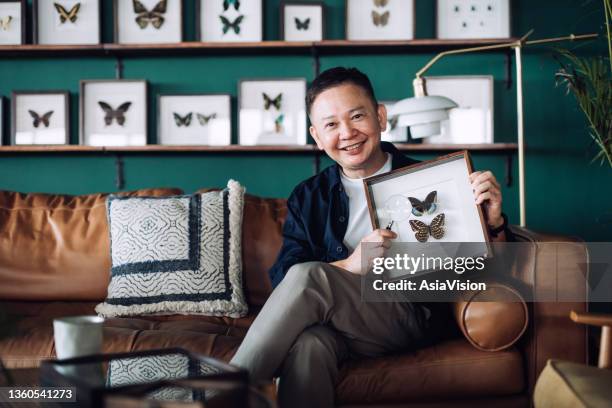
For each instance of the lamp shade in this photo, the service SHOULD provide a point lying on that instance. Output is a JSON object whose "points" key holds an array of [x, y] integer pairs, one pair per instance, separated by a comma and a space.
{"points": [[422, 114]]}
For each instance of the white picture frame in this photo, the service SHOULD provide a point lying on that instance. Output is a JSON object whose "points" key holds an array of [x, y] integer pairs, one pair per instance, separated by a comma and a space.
{"points": [[302, 21], [379, 20], [389, 204], [133, 26], [66, 22], [472, 121], [194, 120], [12, 22], [40, 118], [229, 20], [474, 19], [272, 111], [393, 133], [106, 119]]}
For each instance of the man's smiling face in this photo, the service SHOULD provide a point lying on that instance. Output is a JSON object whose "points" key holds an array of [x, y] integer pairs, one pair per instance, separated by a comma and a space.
{"points": [[347, 125]]}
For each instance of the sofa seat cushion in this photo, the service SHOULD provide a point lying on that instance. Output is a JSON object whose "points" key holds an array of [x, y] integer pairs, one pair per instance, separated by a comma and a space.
{"points": [[449, 370]]}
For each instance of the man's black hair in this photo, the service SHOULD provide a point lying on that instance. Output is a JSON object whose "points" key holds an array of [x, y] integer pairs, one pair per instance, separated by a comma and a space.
{"points": [[338, 76]]}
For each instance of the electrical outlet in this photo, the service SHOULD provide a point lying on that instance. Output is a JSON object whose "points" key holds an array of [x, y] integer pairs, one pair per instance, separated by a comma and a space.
{"points": [[470, 19]]}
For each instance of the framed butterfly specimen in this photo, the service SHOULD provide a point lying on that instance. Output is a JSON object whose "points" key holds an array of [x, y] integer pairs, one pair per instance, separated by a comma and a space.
{"points": [[429, 204], [229, 20], [12, 22], [272, 111], [302, 21], [194, 119], [148, 21], [476, 19], [472, 120], [379, 20], [66, 21], [393, 133], [113, 113], [40, 118]]}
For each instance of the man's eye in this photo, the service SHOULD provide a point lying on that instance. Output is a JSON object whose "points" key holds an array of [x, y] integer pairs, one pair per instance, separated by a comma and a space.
{"points": [[358, 116], [329, 125]]}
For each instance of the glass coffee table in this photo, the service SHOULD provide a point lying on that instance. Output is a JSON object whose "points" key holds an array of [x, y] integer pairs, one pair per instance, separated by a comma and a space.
{"points": [[152, 378]]}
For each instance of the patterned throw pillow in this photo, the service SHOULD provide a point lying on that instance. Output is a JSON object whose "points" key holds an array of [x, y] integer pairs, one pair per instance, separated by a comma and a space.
{"points": [[179, 254]]}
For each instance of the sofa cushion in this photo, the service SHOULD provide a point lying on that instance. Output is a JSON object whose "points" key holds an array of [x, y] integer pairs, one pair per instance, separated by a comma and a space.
{"points": [[56, 247], [178, 254]]}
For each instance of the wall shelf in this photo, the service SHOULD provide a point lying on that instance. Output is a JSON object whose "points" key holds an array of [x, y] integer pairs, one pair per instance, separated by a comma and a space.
{"points": [[326, 47], [57, 149]]}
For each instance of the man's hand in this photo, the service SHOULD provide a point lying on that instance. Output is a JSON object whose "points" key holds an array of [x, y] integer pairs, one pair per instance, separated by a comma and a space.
{"points": [[488, 192], [376, 243]]}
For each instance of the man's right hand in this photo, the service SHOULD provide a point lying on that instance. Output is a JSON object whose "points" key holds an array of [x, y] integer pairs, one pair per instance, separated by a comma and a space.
{"points": [[376, 243]]}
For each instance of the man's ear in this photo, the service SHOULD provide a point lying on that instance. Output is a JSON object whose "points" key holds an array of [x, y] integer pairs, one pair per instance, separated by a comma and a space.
{"points": [[315, 136], [382, 117]]}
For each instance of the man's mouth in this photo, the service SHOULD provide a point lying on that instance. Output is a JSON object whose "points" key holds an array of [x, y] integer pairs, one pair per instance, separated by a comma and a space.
{"points": [[352, 147]]}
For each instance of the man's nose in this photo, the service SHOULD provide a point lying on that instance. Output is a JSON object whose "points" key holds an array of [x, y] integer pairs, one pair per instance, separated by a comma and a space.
{"points": [[346, 130]]}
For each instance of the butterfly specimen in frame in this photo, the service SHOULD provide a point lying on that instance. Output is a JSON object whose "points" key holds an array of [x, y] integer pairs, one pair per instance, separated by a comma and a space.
{"points": [[302, 25], [227, 3], [422, 231], [393, 122], [204, 119], [278, 123], [65, 15], [381, 3], [182, 120], [427, 206], [235, 25], [155, 16], [38, 119], [380, 19], [117, 114], [268, 101], [5, 22]]}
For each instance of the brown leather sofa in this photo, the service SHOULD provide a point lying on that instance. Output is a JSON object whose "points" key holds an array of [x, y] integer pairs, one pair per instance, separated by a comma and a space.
{"points": [[54, 261]]}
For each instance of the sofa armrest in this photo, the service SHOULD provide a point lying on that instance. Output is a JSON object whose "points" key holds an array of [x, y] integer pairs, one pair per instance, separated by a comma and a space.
{"points": [[551, 334]]}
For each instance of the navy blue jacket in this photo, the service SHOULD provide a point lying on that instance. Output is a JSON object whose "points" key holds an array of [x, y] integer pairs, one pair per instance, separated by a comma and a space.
{"points": [[317, 218]]}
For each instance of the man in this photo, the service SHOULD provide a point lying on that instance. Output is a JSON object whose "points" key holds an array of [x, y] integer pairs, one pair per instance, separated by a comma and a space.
{"points": [[314, 318]]}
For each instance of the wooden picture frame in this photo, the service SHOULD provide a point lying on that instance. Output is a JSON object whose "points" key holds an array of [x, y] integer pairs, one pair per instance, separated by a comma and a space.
{"points": [[23, 20], [40, 123], [36, 23], [220, 125], [319, 4], [370, 23], [199, 23], [279, 124], [137, 139], [158, 38]]}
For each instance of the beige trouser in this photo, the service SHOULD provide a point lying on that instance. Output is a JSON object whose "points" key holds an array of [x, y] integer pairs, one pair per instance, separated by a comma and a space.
{"points": [[312, 321]]}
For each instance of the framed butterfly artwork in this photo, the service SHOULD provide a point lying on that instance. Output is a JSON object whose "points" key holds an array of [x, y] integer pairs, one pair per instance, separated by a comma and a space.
{"points": [[229, 20], [474, 19], [12, 22], [272, 111], [148, 21], [113, 112], [194, 119], [379, 20], [40, 118], [66, 21], [302, 21], [393, 133], [429, 205]]}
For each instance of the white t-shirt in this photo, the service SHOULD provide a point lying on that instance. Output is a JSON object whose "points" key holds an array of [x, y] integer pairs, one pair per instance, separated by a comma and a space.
{"points": [[359, 224]]}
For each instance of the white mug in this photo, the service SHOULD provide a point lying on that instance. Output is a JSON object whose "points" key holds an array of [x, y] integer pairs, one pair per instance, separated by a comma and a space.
{"points": [[77, 336]]}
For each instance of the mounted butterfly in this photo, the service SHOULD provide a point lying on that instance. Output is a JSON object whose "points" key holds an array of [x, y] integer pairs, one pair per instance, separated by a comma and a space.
{"points": [[40, 117], [63, 22], [229, 20], [194, 120], [148, 21], [113, 112], [379, 20], [301, 21]]}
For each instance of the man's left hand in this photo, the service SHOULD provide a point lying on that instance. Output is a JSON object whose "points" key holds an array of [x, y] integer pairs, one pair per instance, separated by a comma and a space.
{"points": [[488, 192]]}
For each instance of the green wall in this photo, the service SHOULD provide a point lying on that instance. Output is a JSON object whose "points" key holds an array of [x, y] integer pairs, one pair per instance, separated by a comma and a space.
{"points": [[565, 193]]}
